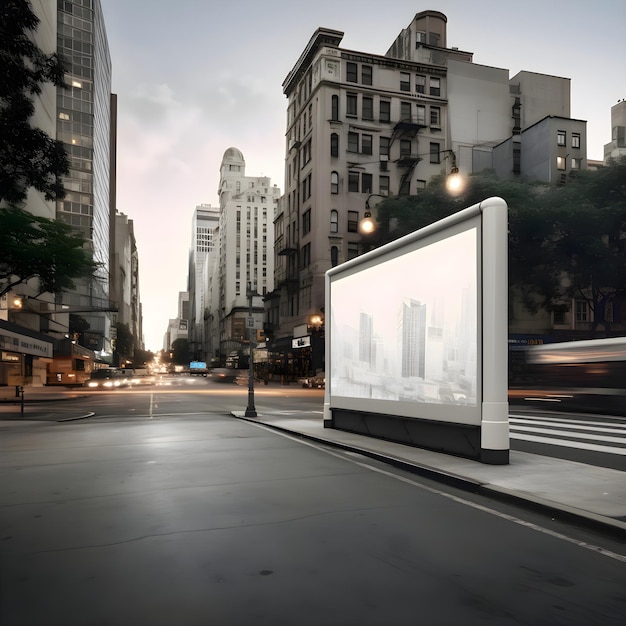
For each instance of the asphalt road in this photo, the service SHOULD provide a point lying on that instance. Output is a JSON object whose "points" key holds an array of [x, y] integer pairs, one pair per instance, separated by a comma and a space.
{"points": [[163, 509]]}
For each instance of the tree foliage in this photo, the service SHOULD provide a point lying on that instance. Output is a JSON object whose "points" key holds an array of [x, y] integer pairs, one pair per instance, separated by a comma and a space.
{"points": [[36, 247], [564, 242], [28, 156]]}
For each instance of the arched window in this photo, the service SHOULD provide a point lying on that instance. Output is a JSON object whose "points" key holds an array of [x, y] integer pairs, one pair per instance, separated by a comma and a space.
{"points": [[334, 221], [334, 108], [334, 182], [334, 145], [334, 256]]}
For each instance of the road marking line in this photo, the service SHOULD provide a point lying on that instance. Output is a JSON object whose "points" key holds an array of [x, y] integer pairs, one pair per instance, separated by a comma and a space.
{"points": [[480, 507]]}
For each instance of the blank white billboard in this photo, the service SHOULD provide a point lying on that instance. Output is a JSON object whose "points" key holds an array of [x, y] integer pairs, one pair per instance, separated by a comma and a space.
{"points": [[410, 324]]}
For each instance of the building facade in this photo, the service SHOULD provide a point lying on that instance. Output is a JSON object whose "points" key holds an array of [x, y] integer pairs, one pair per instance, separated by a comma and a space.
{"points": [[83, 114], [361, 127], [616, 148], [241, 272], [204, 229]]}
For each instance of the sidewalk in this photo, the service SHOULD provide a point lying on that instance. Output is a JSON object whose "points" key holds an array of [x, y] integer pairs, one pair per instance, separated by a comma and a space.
{"points": [[585, 493], [589, 494]]}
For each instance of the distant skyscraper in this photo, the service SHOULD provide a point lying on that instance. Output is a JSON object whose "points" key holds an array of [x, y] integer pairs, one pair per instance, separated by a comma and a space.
{"points": [[413, 339], [84, 125], [204, 228]]}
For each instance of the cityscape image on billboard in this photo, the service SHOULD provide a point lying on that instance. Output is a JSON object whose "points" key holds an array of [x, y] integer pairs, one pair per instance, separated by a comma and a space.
{"points": [[406, 328]]}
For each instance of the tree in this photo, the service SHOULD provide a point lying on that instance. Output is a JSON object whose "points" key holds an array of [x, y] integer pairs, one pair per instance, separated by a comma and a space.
{"points": [[28, 156], [31, 246], [564, 242], [36, 247]]}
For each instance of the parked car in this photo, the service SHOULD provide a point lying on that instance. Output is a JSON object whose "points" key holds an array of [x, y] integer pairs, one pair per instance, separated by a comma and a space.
{"points": [[224, 374], [107, 378], [318, 381]]}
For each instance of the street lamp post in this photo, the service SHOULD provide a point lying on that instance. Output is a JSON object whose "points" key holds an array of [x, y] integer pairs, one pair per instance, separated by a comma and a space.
{"points": [[250, 409]]}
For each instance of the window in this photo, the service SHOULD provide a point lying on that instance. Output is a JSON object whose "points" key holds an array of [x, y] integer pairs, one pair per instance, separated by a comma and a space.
{"points": [[334, 182], [353, 181], [306, 255], [560, 137], [366, 74], [420, 84], [575, 140], [353, 250], [384, 146], [405, 111], [560, 163], [306, 152], [351, 104], [435, 116], [582, 311], [306, 188], [421, 114], [334, 108], [366, 144], [353, 221], [306, 222], [353, 142], [435, 156], [405, 81], [334, 256], [385, 111], [352, 72], [405, 147], [576, 163], [367, 112], [383, 185], [435, 87], [334, 221], [366, 183], [420, 37], [334, 145]]}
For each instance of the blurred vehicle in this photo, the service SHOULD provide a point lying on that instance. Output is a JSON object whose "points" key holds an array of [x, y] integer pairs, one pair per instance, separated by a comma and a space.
{"points": [[587, 376], [318, 381], [107, 378], [224, 374]]}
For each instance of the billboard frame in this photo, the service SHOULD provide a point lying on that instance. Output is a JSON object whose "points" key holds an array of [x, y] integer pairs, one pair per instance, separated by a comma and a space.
{"points": [[478, 432]]}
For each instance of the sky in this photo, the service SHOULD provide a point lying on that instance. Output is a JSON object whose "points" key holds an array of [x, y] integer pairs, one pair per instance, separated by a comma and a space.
{"points": [[196, 77]]}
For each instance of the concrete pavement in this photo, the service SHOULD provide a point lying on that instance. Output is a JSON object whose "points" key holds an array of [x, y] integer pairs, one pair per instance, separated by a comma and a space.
{"points": [[589, 494]]}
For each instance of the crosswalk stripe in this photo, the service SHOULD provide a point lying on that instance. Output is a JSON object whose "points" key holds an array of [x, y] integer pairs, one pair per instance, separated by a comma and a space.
{"points": [[570, 444]]}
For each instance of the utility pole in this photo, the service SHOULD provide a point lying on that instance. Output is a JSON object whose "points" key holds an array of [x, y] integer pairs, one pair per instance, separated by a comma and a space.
{"points": [[250, 409]]}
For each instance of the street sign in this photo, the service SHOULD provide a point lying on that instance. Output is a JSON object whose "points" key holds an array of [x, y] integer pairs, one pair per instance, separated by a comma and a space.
{"points": [[250, 322]]}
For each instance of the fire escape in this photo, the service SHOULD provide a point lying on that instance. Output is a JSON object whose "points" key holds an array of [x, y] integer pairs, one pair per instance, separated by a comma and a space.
{"points": [[405, 131]]}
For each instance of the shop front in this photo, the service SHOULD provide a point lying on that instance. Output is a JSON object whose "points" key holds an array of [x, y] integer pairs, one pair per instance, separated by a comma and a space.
{"points": [[24, 356]]}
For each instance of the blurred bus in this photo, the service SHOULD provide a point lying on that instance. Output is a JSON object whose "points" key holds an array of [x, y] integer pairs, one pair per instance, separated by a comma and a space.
{"points": [[583, 376]]}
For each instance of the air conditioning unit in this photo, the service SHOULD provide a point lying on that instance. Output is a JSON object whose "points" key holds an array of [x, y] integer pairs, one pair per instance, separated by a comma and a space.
{"points": [[384, 157]]}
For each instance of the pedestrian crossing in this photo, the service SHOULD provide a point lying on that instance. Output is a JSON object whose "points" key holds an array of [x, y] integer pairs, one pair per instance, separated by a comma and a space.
{"points": [[599, 435]]}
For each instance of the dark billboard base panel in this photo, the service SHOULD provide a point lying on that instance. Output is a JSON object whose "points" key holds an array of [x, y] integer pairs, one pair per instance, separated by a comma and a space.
{"points": [[456, 439]]}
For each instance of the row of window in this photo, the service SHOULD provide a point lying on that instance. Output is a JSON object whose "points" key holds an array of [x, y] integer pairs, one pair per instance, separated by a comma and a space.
{"points": [[409, 111], [561, 139], [561, 163], [362, 143], [419, 83]]}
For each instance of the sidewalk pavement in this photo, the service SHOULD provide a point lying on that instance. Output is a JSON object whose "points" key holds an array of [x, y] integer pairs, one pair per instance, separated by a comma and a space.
{"points": [[584, 493]]}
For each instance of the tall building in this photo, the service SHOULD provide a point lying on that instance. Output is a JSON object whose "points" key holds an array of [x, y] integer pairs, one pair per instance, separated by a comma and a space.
{"points": [[363, 126], [244, 263], [617, 146], [125, 282], [204, 227], [84, 125]]}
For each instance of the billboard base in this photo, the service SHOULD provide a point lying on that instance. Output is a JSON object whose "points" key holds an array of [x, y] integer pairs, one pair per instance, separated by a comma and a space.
{"points": [[450, 438]]}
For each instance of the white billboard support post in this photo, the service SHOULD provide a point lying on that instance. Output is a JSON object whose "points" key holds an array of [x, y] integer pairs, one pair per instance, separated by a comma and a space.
{"points": [[417, 338]]}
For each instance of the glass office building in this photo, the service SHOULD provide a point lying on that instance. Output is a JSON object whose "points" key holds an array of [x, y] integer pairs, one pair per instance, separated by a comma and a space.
{"points": [[84, 126]]}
